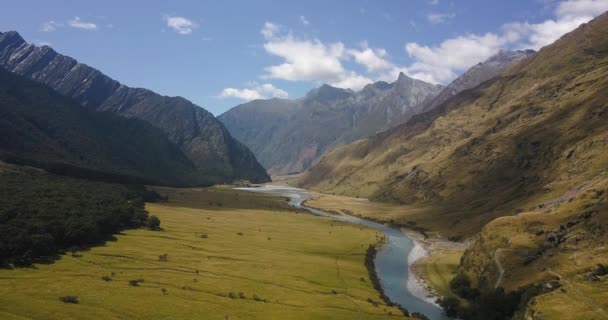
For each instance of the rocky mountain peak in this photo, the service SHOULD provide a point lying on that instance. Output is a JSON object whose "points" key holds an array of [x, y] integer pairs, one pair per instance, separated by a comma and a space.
{"points": [[327, 93]]}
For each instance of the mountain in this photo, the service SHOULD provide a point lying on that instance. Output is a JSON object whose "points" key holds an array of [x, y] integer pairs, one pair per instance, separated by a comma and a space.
{"points": [[288, 136], [43, 128], [477, 74], [199, 135], [519, 163]]}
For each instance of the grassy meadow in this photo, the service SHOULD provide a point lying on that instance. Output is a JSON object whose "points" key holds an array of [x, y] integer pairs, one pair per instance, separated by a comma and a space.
{"points": [[229, 255]]}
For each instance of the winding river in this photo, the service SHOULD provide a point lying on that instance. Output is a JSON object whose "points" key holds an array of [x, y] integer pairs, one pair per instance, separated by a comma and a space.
{"points": [[392, 265]]}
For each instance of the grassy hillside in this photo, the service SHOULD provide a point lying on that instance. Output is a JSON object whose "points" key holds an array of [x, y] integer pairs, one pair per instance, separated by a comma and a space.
{"points": [[523, 139], [43, 128], [521, 158], [229, 255]]}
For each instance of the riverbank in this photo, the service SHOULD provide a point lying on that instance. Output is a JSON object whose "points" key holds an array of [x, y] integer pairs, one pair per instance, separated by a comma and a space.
{"points": [[433, 261], [437, 266]]}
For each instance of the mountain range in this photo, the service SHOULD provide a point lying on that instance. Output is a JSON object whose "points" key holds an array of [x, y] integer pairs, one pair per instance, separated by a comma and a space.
{"points": [[215, 154], [517, 163], [288, 136]]}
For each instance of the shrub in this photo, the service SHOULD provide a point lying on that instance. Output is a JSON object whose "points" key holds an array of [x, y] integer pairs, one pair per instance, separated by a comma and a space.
{"points": [[204, 236], [153, 223], [163, 258], [164, 291], [461, 285], [232, 295], [135, 283], [257, 298], [450, 305], [242, 295], [106, 278], [69, 299]]}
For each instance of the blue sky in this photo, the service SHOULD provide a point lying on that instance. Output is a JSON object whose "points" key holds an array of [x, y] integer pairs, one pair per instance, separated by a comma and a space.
{"points": [[221, 53]]}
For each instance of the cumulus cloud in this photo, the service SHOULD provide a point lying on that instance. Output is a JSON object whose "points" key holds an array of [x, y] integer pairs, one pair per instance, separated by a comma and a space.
{"points": [[180, 25], [436, 18], [443, 62], [440, 64], [313, 60], [254, 91], [81, 24], [568, 15], [374, 60]]}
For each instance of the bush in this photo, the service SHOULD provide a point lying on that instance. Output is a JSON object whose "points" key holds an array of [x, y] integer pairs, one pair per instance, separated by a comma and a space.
{"points": [[461, 285], [163, 258], [69, 299], [242, 295], [153, 223], [232, 295], [136, 282], [106, 278], [450, 305]]}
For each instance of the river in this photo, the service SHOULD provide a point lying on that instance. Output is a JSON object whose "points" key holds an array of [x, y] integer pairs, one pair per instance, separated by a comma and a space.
{"points": [[392, 261]]}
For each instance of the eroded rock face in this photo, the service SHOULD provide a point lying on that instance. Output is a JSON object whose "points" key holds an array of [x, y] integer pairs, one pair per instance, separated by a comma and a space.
{"points": [[203, 139]]}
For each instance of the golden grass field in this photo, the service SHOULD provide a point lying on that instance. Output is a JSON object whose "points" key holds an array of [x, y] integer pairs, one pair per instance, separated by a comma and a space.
{"points": [[299, 265]]}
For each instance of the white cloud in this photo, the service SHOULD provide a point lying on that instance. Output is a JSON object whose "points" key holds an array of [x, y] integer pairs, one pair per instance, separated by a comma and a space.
{"points": [[50, 26], [305, 60], [304, 20], [315, 61], [80, 24], [568, 15], [255, 91], [180, 25], [434, 2], [443, 62], [374, 60], [269, 30], [436, 18]]}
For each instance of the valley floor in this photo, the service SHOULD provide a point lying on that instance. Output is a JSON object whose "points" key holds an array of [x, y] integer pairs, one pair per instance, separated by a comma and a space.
{"points": [[436, 269], [229, 255]]}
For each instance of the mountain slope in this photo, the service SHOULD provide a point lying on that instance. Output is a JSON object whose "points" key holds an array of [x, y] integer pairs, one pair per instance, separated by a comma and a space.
{"points": [[203, 139], [288, 136], [506, 135], [521, 158], [42, 127], [476, 75]]}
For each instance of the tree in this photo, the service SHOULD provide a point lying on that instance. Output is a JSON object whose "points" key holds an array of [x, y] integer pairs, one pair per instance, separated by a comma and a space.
{"points": [[153, 223]]}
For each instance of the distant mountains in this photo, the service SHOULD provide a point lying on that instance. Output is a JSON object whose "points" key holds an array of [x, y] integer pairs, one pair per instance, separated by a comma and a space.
{"points": [[214, 153], [288, 136]]}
